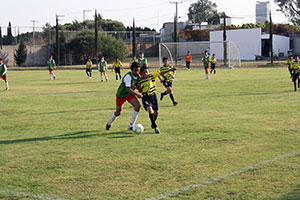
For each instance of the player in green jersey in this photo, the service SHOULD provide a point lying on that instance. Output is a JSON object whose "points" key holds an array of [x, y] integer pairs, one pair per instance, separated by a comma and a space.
{"points": [[296, 72], [289, 63], [142, 60], [126, 92], [51, 66], [167, 80], [206, 61], [117, 64], [213, 62], [102, 67], [89, 68], [3, 71], [147, 86]]}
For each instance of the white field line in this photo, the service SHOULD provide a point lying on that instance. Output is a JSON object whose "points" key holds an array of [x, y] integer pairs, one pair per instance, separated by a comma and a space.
{"points": [[218, 178], [28, 195]]}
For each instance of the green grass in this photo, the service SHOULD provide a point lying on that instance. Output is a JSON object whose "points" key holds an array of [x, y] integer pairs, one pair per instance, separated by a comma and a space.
{"points": [[53, 140]]}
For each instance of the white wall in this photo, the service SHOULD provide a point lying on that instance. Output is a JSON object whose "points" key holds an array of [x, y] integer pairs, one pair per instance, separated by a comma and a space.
{"points": [[248, 41], [281, 44]]}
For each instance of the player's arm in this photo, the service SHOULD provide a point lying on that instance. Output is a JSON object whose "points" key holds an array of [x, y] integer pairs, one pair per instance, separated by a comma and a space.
{"points": [[173, 69], [121, 65], [113, 67], [127, 81], [54, 64]]}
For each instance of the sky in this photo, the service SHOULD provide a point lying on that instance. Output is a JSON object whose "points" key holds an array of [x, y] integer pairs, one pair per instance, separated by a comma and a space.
{"points": [[147, 13]]}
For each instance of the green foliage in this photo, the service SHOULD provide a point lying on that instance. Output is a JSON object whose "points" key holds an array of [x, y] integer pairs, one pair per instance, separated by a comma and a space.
{"points": [[82, 46], [202, 11], [8, 39], [291, 8], [21, 53]]}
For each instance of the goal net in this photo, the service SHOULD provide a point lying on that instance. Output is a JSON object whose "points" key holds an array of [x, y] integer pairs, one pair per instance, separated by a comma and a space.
{"points": [[176, 52]]}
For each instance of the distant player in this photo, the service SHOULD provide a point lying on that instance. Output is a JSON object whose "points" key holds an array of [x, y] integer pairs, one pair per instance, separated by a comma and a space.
{"points": [[206, 61], [147, 86], [142, 60], [126, 92], [102, 67], [89, 68], [117, 64], [167, 80], [213, 62], [132, 60], [51, 66], [296, 72], [3, 71], [289, 63], [188, 60]]}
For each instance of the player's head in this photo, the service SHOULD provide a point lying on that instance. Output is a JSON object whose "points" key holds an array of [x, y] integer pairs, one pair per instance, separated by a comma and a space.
{"points": [[134, 57], [214, 55], [102, 57], [142, 54], [144, 71], [206, 53], [291, 57], [51, 56], [165, 61], [135, 68], [117, 58], [1, 60], [296, 58], [188, 52], [89, 59]]}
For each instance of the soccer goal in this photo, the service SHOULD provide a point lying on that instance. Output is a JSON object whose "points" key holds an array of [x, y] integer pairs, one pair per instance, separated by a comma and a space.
{"points": [[176, 52]]}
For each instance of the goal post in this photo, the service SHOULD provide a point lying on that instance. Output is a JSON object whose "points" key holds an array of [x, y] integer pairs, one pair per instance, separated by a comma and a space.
{"points": [[176, 51]]}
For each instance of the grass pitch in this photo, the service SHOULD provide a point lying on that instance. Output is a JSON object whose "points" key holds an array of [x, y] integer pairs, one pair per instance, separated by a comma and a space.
{"points": [[53, 140]]}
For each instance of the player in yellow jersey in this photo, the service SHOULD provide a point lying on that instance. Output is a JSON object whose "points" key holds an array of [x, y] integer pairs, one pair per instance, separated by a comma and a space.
{"points": [[296, 72], [147, 86], [213, 62], [88, 68], [167, 80], [132, 60], [117, 64], [289, 63]]}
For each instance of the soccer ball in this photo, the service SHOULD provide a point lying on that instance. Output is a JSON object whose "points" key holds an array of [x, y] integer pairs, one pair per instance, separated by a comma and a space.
{"points": [[138, 128]]}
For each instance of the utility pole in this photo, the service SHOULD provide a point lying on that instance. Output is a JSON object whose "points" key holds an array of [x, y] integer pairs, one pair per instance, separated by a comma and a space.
{"points": [[57, 40], [133, 38], [96, 36], [271, 39], [176, 26], [33, 32], [224, 39]]}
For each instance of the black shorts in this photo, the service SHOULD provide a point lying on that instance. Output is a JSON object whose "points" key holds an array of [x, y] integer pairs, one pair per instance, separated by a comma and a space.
{"points": [[150, 101], [88, 70], [117, 70], [167, 83], [295, 76], [213, 65]]}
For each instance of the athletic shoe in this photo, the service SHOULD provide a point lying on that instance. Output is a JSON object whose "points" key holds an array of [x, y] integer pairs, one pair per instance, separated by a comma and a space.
{"points": [[6, 89], [108, 127], [130, 128], [156, 130], [161, 96], [101, 81], [54, 77], [175, 104]]}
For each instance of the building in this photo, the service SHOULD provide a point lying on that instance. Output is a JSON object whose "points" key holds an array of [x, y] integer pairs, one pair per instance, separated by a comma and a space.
{"points": [[251, 43], [262, 11]]}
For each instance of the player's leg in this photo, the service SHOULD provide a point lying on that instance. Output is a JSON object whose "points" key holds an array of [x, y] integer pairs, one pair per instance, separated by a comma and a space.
{"points": [[90, 72], [87, 72], [105, 76], [6, 83], [165, 92], [101, 76], [119, 108], [50, 74], [53, 74], [136, 108], [170, 92], [120, 75], [206, 73], [295, 82]]}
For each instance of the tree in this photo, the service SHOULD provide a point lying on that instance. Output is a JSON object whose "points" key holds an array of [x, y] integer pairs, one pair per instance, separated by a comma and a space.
{"points": [[96, 35], [202, 11], [133, 39], [8, 39], [21, 53], [291, 8]]}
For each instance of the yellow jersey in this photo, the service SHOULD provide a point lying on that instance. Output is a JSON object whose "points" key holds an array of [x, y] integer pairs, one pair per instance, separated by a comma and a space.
{"points": [[117, 64], [168, 76], [149, 84]]}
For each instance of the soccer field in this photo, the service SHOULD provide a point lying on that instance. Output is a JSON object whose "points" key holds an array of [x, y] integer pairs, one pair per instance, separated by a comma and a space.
{"points": [[224, 139]]}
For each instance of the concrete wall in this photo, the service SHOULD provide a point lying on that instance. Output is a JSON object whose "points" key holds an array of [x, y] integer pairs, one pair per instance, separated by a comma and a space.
{"points": [[248, 42], [281, 44], [36, 56]]}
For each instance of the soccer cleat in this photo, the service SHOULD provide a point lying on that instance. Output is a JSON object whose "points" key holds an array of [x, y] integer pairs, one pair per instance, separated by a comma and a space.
{"points": [[175, 104], [101, 80], [6, 89], [130, 128], [161, 96], [156, 130], [54, 77], [107, 127]]}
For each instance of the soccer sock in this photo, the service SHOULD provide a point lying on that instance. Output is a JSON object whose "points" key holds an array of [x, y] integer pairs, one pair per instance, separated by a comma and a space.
{"points": [[50, 76], [164, 93], [207, 76], [215, 71], [116, 77], [134, 117], [87, 73], [90, 74], [6, 84], [155, 117], [112, 119], [295, 87], [172, 98], [106, 77], [53, 74], [152, 118], [120, 76], [102, 78], [211, 71]]}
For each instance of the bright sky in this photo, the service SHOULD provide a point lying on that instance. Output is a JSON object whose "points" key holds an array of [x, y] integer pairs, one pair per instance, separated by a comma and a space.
{"points": [[147, 13]]}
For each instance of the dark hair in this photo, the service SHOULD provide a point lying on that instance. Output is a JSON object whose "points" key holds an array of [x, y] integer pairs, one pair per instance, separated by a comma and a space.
{"points": [[1, 59], [296, 56], [141, 52], [143, 68], [188, 51], [214, 54], [134, 65], [117, 58], [165, 58], [205, 51]]}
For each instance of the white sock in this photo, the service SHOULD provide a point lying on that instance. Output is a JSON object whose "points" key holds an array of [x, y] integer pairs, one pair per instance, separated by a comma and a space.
{"points": [[6, 84], [53, 74], [101, 78], [207, 76], [134, 117], [50, 76], [105, 76], [112, 119]]}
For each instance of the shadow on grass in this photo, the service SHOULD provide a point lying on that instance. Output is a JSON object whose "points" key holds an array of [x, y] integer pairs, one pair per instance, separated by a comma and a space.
{"points": [[294, 195], [75, 135]]}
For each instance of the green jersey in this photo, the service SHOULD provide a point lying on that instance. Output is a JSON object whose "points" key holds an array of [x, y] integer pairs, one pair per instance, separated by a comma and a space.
{"points": [[122, 92], [143, 62], [51, 63], [102, 66], [3, 69], [167, 76], [206, 61]]}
